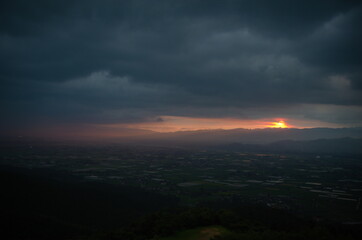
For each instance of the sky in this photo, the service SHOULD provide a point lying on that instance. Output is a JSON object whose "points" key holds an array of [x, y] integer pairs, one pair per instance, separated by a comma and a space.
{"points": [[111, 66]]}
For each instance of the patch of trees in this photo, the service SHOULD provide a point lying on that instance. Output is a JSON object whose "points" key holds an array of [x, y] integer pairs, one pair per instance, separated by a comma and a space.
{"points": [[248, 223]]}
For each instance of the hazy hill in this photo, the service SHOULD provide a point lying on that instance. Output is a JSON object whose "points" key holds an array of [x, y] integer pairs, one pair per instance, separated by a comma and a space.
{"points": [[319, 146], [245, 136], [199, 138]]}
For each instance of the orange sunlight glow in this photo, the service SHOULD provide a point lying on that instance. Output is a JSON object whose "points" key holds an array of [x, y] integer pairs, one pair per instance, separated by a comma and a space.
{"points": [[279, 124], [176, 123]]}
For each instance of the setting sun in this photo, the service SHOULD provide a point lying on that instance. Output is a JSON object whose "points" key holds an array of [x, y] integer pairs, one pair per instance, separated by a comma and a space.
{"points": [[279, 124]]}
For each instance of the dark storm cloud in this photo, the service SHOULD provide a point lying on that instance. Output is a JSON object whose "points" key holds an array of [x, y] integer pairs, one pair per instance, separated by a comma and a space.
{"points": [[129, 61]]}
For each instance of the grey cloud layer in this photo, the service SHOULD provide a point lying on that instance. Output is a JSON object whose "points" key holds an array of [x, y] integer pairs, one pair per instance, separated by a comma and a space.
{"points": [[122, 61]]}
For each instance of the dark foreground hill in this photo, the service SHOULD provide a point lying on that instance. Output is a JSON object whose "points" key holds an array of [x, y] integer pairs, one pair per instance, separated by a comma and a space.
{"points": [[38, 204], [49, 205]]}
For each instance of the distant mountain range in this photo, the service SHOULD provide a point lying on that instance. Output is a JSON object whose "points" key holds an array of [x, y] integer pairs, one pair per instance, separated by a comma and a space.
{"points": [[311, 140], [319, 146], [246, 136]]}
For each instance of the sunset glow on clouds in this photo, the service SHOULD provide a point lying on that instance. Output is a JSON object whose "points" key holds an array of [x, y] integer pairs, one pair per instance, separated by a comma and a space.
{"points": [[166, 124], [176, 123]]}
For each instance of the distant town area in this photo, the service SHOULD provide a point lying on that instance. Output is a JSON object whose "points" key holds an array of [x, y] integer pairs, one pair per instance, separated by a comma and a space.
{"points": [[305, 184]]}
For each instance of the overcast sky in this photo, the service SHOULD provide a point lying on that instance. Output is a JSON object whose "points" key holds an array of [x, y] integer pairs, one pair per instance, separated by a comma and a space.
{"points": [[129, 62]]}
